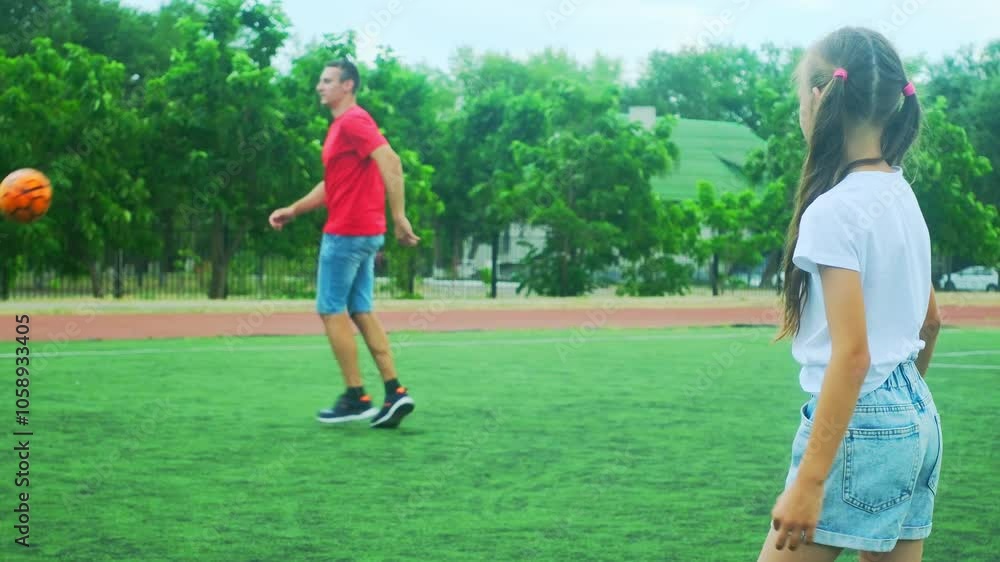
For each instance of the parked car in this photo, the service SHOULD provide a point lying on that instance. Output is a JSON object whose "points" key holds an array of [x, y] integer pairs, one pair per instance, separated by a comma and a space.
{"points": [[972, 278]]}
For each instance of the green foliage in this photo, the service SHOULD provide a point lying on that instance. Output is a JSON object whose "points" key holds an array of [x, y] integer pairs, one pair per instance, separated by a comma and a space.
{"points": [[733, 236], [970, 81], [719, 83], [220, 97], [943, 170], [486, 276], [169, 136], [588, 187], [63, 113]]}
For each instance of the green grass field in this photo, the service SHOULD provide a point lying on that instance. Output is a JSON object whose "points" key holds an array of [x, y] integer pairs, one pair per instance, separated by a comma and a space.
{"points": [[549, 446]]}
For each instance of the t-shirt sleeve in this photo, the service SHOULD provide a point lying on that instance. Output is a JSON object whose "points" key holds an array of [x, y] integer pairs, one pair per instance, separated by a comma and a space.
{"points": [[825, 239], [363, 135]]}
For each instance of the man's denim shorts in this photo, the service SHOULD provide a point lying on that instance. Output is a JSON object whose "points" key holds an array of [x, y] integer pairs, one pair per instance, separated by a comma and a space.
{"points": [[882, 484], [346, 276]]}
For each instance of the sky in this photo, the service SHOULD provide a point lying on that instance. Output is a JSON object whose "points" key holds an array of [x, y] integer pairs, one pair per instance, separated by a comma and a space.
{"points": [[429, 31]]}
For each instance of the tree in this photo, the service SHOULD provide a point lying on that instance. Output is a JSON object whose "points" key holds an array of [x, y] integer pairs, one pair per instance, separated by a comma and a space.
{"points": [[501, 101], [588, 186], [501, 122], [483, 86], [65, 114], [221, 99], [943, 170], [722, 83], [985, 136], [656, 272], [775, 170], [969, 80], [26, 20], [733, 236], [746, 86]]}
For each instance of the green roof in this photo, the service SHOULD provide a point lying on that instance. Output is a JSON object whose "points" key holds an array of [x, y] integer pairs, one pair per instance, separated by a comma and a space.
{"points": [[714, 151]]}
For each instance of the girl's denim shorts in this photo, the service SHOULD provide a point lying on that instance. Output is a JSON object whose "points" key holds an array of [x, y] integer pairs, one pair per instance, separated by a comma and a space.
{"points": [[882, 484]]}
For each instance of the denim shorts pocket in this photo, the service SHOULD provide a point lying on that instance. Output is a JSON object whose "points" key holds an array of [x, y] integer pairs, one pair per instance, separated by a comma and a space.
{"points": [[801, 440], [932, 481], [881, 466]]}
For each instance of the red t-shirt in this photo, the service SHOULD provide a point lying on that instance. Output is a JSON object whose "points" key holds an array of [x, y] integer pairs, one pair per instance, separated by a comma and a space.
{"points": [[355, 192]]}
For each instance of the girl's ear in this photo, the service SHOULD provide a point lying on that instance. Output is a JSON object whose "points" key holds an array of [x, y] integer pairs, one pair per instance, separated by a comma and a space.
{"points": [[816, 95]]}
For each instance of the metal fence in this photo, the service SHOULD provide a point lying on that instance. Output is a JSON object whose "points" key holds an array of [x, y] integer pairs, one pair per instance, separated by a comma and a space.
{"points": [[254, 275], [280, 279]]}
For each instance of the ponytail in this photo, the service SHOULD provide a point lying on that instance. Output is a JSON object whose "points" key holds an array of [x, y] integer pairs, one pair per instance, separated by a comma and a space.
{"points": [[823, 169], [902, 129]]}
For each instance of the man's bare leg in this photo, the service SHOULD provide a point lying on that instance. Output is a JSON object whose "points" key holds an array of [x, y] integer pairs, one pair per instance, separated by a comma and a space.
{"points": [[340, 332], [354, 404], [378, 343], [398, 404]]}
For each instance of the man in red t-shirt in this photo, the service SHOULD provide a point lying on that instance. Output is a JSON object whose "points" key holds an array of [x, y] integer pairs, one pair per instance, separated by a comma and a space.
{"points": [[361, 168]]}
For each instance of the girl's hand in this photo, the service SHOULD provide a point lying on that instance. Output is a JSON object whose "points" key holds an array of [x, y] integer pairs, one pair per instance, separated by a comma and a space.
{"points": [[796, 514]]}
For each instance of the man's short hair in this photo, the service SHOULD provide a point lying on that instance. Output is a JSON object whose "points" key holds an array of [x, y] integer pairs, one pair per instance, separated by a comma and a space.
{"points": [[348, 71]]}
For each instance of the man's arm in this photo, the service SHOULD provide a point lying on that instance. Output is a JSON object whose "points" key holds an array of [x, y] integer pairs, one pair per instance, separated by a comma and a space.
{"points": [[929, 333], [391, 168], [312, 201]]}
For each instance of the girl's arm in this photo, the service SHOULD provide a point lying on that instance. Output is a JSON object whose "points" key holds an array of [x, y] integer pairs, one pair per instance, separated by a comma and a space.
{"points": [[929, 333], [849, 362], [798, 509]]}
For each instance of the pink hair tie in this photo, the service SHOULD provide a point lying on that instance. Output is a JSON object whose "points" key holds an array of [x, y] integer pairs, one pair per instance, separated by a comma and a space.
{"points": [[909, 89], [840, 73]]}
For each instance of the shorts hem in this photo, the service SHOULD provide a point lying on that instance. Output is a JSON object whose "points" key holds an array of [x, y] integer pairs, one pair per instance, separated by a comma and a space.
{"points": [[915, 533], [331, 312], [839, 540]]}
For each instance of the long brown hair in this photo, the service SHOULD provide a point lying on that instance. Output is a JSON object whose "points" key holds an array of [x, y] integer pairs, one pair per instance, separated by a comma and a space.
{"points": [[870, 95]]}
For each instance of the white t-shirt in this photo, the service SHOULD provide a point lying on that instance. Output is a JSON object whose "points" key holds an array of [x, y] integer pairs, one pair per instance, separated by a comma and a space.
{"points": [[870, 223]]}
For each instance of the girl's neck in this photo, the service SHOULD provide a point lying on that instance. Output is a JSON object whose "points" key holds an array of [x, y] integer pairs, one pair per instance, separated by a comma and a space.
{"points": [[864, 142]]}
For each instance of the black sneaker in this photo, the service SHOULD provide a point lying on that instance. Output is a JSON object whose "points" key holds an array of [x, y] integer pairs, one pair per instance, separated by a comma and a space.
{"points": [[396, 407], [347, 409]]}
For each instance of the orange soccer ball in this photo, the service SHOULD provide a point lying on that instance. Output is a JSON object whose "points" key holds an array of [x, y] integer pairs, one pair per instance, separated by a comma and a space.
{"points": [[25, 195]]}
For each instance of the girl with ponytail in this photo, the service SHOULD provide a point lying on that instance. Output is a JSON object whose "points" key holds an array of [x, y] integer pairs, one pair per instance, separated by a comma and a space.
{"points": [[859, 306]]}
